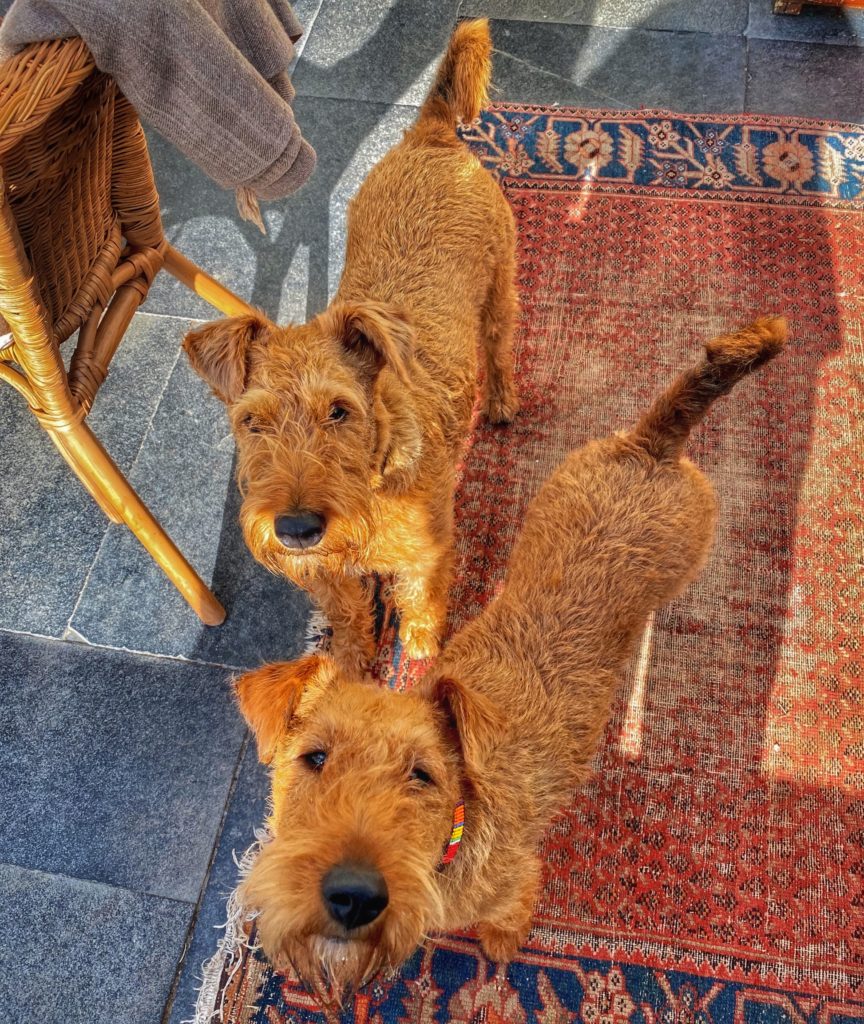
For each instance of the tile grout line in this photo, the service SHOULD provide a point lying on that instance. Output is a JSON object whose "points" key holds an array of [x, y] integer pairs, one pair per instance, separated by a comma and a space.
{"points": [[196, 912], [145, 434], [99, 883], [640, 29], [172, 316], [390, 104], [89, 646], [556, 77]]}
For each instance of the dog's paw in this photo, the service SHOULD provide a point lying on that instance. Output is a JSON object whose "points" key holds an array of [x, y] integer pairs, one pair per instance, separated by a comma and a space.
{"points": [[419, 640], [501, 408], [500, 944]]}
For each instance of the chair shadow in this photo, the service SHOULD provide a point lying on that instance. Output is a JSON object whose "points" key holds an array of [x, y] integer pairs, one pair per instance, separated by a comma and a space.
{"points": [[409, 25]]}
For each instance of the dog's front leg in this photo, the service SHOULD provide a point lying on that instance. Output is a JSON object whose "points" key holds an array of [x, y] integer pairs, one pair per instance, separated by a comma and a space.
{"points": [[420, 591], [506, 927], [347, 605]]}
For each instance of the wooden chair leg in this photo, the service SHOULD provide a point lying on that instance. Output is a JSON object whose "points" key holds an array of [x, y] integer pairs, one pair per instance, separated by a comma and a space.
{"points": [[200, 282], [97, 471], [90, 485]]}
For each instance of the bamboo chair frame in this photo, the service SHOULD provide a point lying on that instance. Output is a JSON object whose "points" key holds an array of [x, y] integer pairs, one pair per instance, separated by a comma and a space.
{"points": [[81, 241]]}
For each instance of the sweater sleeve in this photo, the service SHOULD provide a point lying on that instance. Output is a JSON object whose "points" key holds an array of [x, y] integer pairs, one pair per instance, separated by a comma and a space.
{"points": [[188, 79]]}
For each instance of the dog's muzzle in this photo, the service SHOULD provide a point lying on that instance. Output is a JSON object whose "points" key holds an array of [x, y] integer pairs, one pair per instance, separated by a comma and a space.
{"points": [[301, 530]]}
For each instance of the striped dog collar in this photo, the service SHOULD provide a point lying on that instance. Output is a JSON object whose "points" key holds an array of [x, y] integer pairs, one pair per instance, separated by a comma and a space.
{"points": [[455, 839]]}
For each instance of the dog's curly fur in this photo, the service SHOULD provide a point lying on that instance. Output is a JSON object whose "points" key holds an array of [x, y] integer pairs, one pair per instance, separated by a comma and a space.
{"points": [[361, 415], [509, 717]]}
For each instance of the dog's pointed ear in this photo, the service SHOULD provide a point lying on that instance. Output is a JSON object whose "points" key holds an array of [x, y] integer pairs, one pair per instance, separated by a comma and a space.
{"points": [[478, 723], [221, 352], [269, 697], [377, 333]]}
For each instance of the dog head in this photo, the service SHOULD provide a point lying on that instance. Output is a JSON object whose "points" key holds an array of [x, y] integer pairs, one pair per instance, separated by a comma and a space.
{"points": [[365, 782], [322, 418]]}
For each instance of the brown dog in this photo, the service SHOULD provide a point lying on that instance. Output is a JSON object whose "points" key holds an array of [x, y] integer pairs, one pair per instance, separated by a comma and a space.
{"points": [[349, 428], [365, 780]]}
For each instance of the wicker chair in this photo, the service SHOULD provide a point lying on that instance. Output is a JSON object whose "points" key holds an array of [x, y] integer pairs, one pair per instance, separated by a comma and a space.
{"points": [[81, 241]]}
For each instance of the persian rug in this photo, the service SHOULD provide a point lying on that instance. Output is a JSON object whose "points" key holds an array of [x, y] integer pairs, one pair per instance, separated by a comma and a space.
{"points": [[713, 868]]}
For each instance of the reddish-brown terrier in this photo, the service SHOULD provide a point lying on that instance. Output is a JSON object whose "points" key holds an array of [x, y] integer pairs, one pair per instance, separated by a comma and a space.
{"points": [[507, 720], [349, 428]]}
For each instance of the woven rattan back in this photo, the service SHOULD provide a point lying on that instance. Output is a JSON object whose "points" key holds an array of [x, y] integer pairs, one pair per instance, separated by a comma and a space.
{"points": [[56, 125], [77, 181]]}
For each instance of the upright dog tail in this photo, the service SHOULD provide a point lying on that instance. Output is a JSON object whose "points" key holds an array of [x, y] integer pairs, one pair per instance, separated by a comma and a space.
{"points": [[665, 427], [460, 85]]}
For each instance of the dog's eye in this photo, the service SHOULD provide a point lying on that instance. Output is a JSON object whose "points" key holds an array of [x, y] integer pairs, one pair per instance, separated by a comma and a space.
{"points": [[250, 423], [315, 759], [420, 775], [337, 413]]}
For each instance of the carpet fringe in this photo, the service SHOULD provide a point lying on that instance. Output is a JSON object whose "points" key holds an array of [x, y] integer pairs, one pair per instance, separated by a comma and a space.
{"points": [[218, 971], [317, 636]]}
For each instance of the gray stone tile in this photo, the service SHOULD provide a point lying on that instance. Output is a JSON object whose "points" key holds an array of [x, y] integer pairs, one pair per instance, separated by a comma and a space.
{"points": [[581, 65], [184, 472], [113, 768], [51, 526], [382, 50], [73, 952], [812, 25], [245, 814], [292, 271], [807, 80], [676, 15]]}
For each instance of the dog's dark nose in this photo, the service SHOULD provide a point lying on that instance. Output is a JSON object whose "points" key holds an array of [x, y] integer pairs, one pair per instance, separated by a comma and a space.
{"points": [[354, 895], [302, 530]]}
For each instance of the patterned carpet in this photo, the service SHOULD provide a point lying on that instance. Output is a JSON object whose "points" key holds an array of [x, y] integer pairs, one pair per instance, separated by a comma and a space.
{"points": [[713, 870]]}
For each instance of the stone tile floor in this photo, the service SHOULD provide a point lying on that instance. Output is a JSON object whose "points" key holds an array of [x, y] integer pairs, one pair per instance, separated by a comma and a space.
{"points": [[127, 778]]}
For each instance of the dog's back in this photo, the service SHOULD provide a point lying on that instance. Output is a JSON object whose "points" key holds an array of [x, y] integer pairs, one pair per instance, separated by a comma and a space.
{"points": [[626, 523], [620, 528], [429, 225]]}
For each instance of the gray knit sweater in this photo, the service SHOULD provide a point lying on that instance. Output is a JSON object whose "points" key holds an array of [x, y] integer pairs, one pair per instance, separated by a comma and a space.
{"points": [[209, 75]]}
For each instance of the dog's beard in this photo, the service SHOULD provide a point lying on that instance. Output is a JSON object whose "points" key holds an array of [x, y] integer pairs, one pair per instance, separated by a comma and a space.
{"points": [[333, 966], [294, 930], [333, 969]]}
